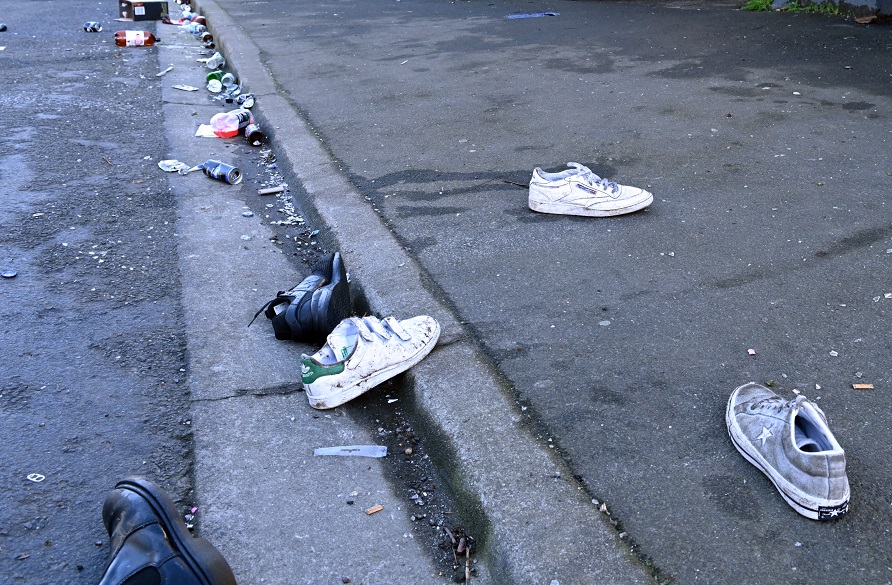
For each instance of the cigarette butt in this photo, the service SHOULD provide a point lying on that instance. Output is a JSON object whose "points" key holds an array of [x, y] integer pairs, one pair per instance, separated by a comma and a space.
{"points": [[374, 509], [862, 386], [270, 190]]}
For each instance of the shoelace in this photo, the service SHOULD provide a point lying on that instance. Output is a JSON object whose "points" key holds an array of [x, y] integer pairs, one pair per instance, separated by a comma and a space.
{"points": [[777, 403], [772, 403], [594, 180]]}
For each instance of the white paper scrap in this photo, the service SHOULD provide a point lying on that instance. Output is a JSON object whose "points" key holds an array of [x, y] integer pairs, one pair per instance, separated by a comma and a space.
{"points": [[205, 131]]}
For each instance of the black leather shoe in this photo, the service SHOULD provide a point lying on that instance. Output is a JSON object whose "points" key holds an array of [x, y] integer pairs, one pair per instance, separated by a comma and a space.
{"points": [[150, 544], [312, 309]]}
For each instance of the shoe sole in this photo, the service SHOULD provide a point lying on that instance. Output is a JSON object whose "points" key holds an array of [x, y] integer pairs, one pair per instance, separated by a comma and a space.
{"points": [[365, 384], [570, 209], [209, 566], [807, 506]]}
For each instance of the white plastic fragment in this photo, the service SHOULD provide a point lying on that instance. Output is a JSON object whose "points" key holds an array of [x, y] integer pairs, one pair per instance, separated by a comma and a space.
{"points": [[185, 87], [172, 166], [205, 131], [36, 477], [352, 451]]}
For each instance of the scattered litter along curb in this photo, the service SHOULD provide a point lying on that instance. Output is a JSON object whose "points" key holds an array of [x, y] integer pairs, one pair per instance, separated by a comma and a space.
{"points": [[862, 386], [352, 451], [271, 190], [533, 15]]}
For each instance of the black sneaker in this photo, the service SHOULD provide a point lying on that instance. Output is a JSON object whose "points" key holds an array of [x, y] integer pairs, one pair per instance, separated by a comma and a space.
{"points": [[312, 309]]}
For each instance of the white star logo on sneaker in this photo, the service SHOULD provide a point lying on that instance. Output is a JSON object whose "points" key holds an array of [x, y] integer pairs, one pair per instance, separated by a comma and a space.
{"points": [[765, 434]]}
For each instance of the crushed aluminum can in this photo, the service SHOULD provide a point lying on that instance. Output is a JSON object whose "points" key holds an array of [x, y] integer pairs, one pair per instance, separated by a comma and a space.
{"points": [[246, 100], [222, 172], [92, 27]]}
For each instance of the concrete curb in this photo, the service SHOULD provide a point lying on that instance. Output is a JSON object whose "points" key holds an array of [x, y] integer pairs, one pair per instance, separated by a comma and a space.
{"points": [[534, 523], [276, 512]]}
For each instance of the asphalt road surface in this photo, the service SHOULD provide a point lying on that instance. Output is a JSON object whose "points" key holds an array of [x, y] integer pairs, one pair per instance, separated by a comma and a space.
{"points": [[765, 138], [92, 374]]}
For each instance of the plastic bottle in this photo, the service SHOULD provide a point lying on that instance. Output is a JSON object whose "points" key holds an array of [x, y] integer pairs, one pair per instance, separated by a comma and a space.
{"points": [[228, 124], [135, 38], [216, 61]]}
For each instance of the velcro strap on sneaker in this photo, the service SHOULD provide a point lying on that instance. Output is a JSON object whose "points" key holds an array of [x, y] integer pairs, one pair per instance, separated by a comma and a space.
{"points": [[397, 328], [377, 327], [363, 328]]}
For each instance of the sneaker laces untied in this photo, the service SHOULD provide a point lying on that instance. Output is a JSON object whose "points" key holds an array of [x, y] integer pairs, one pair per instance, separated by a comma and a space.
{"points": [[595, 180]]}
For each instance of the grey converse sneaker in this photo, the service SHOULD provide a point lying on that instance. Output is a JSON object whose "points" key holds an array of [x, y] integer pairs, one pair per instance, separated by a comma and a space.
{"points": [[579, 191], [790, 442]]}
